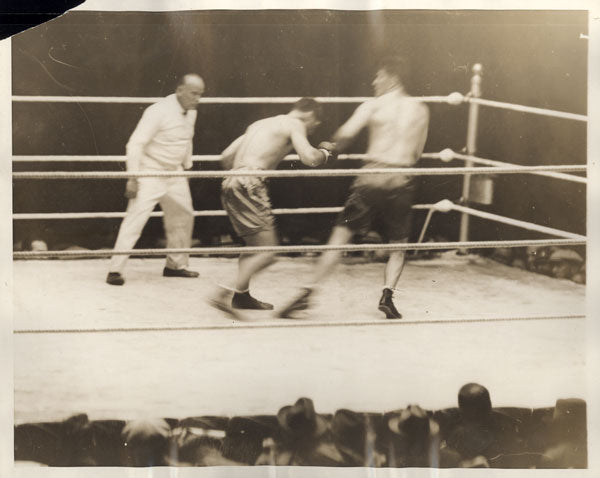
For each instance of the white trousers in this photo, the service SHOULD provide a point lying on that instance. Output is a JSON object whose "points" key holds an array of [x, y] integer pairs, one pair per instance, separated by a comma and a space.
{"points": [[173, 195]]}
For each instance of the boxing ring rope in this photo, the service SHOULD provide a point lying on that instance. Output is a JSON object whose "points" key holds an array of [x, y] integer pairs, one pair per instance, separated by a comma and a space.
{"points": [[205, 213], [446, 205], [443, 206], [474, 99], [446, 155], [453, 98], [121, 158], [528, 109], [487, 167], [301, 248], [440, 206], [294, 173], [36, 158], [298, 323], [502, 164], [517, 223]]}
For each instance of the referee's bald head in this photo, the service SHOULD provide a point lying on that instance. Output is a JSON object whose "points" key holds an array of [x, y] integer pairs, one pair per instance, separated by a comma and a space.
{"points": [[190, 89]]}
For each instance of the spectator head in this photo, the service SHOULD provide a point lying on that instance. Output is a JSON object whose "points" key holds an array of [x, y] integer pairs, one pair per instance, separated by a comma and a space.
{"points": [[413, 425], [77, 432], [146, 442], [299, 422], [569, 419], [412, 436], [568, 447], [474, 401], [355, 437]]}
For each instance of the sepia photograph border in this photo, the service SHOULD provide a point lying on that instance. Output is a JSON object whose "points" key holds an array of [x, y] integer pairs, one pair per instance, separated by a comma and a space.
{"points": [[593, 256]]}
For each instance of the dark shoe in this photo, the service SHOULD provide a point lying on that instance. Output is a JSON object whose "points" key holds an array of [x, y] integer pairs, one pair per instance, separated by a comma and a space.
{"points": [[386, 305], [220, 301], [299, 303], [168, 272], [115, 278], [243, 300]]}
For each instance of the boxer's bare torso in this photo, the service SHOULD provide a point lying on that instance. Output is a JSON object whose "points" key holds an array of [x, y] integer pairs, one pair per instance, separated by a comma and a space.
{"points": [[267, 141], [397, 128]]}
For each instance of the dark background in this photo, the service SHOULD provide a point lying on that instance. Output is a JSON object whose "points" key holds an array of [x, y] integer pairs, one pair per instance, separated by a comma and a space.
{"points": [[534, 58]]}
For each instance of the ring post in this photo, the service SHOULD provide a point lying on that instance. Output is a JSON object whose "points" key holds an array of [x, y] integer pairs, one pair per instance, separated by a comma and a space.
{"points": [[471, 145]]}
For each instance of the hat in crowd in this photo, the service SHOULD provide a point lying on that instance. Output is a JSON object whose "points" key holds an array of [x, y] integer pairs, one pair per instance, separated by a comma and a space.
{"points": [[569, 418], [474, 401], [355, 435], [349, 430], [75, 424], [300, 420], [77, 430], [412, 422], [570, 409]]}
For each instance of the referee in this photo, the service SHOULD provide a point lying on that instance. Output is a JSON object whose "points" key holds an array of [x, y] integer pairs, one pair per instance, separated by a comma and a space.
{"points": [[162, 141]]}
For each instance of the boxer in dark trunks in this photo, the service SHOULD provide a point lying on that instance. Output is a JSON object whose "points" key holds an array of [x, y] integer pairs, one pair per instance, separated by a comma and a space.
{"points": [[245, 198], [397, 127]]}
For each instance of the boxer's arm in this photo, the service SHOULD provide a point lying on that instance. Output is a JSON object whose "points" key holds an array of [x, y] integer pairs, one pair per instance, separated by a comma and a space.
{"points": [[228, 155], [145, 130], [346, 133], [308, 154]]}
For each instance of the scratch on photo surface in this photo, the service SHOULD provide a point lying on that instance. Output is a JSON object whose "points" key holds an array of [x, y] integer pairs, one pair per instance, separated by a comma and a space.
{"points": [[91, 127], [46, 69], [58, 61], [67, 88]]}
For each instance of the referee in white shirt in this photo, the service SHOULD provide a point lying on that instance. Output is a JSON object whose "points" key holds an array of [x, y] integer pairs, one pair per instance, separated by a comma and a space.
{"points": [[162, 141]]}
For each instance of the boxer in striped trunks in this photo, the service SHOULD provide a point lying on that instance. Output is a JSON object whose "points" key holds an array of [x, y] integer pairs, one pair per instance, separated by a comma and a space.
{"points": [[263, 146]]}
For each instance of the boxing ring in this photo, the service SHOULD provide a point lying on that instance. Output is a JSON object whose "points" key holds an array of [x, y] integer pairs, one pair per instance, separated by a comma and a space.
{"points": [[464, 314]]}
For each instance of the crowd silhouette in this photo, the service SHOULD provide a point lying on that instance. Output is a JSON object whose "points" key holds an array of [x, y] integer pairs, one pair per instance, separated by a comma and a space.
{"points": [[472, 435]]}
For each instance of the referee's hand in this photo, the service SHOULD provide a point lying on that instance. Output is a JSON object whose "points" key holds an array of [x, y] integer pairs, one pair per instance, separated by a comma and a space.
{"points": [[131, 188]]}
